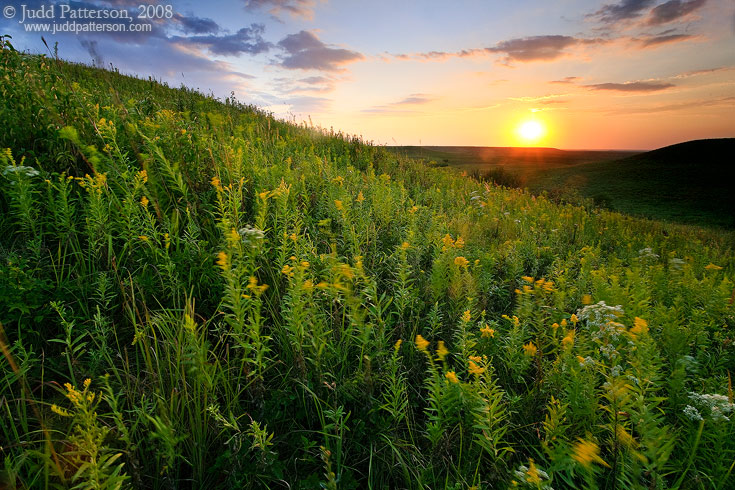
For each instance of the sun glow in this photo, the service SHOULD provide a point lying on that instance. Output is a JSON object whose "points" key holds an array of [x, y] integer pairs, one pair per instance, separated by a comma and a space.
{"points": [[531, 131]]}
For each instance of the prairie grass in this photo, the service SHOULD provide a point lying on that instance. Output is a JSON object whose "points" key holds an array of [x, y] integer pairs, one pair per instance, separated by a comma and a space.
{"points": [[194, 294]]}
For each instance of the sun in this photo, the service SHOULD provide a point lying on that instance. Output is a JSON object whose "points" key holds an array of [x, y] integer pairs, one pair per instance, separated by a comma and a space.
{"points": [[531, 131]]}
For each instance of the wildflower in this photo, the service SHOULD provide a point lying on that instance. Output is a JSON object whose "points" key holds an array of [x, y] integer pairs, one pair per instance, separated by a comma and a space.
{"points": [[253, 286], [475, 369], [587, 299], [87, 382], [264, 195], [563, 322], [287, 270], [397, 345], [555, 326], [625, 437], [447, 241], [405, 245], [548, 286], [338, 205], [441, 351], [516, 321], [466, 316], [574, 318], [568, 340], [486, 331], [452, 377], [143, 238], [308, 285], [305, 264], [533, 474], [640, 326], [293, 237], [223, 261], [527, 278], [712, 267], [581, 359], [530, 349], [586, 453], [476, 358], [339, 180], [360, 197], [421, 343], [216, 183], [459, 243], [60, 411], [461, 261]]}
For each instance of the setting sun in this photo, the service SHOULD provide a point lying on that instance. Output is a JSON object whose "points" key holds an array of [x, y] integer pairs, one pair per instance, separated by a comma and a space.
{"points": [[531, 131]]}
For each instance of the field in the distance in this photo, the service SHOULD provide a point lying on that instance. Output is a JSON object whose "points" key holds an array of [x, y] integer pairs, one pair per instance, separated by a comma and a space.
{"points": [[685, 183]]}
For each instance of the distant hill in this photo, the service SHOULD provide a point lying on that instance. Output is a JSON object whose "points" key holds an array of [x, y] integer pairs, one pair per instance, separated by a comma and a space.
{"points": [[688, 182]]}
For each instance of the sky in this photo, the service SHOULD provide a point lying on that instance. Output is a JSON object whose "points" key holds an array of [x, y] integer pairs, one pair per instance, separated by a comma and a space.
{"points": [[611, 74]]}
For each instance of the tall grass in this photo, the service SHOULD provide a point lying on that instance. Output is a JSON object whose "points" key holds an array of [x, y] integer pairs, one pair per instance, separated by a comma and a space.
{"points": [[196, 295]]}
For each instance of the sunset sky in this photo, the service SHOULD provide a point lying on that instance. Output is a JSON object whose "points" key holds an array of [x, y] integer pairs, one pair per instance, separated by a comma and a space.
{"points": [[628, 74]]}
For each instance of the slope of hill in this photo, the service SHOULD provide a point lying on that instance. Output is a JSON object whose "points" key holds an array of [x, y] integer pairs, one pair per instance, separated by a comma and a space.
{"points": [[689, 182], [685, 183], [195, 295]]}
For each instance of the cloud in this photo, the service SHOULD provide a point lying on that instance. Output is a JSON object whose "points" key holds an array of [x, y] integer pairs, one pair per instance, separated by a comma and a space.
{"points": [[721, 102], [625, 10], [414, 99], [632, 86], [196, 25], [308, 104], [295, 8], [654, 41], [536, 48], [246, 40], [304, 51], [567, 80], [541, 98], [673, 10]]}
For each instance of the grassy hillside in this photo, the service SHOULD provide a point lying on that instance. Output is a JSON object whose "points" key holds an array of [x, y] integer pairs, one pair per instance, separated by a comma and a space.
{"points": [[684, 183], [195, 295]]}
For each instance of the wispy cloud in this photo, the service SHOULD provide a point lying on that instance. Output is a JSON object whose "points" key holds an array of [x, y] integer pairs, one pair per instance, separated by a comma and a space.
{"points": [[673, 10], [304, 51], [567, 80], [248, 40], [195, 25], [632, 86], [405, 105], [295, 8], [540, 98], [680, 106], [656, 41], [622, 11]]}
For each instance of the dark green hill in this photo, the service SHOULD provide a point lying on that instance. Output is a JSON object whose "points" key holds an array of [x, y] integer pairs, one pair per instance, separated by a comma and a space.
{"points": [[688, 182]]}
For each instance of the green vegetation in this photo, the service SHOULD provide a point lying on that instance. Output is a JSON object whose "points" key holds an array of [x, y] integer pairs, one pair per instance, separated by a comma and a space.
{"points": [[195, 295], [686, 183]]}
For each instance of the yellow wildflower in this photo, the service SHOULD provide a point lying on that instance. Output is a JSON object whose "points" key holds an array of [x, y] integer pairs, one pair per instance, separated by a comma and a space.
{"points": [[405, 245], [530, 349], [586, 453], [287, 270], [476, 358], [360, 197], [143, 238], [527, 278], [461, 261], [555, 326], [712, 267], [413, 209], [475, 369], [568, 340], [640, 326], [580, 359], [264, 195], [216, 183], [338, 205], [441, 351], [452, 377], [447, 240], [397, 345], [548, 286], [587, 299], [223, 261], [533, 476], [293, 237], [574, 318], [625, 437], [58, 410], [563, 323], [421, 343], [516, 321], [144, 201], [459, 243], [87, 382], [466, 316], [486, 331]]}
